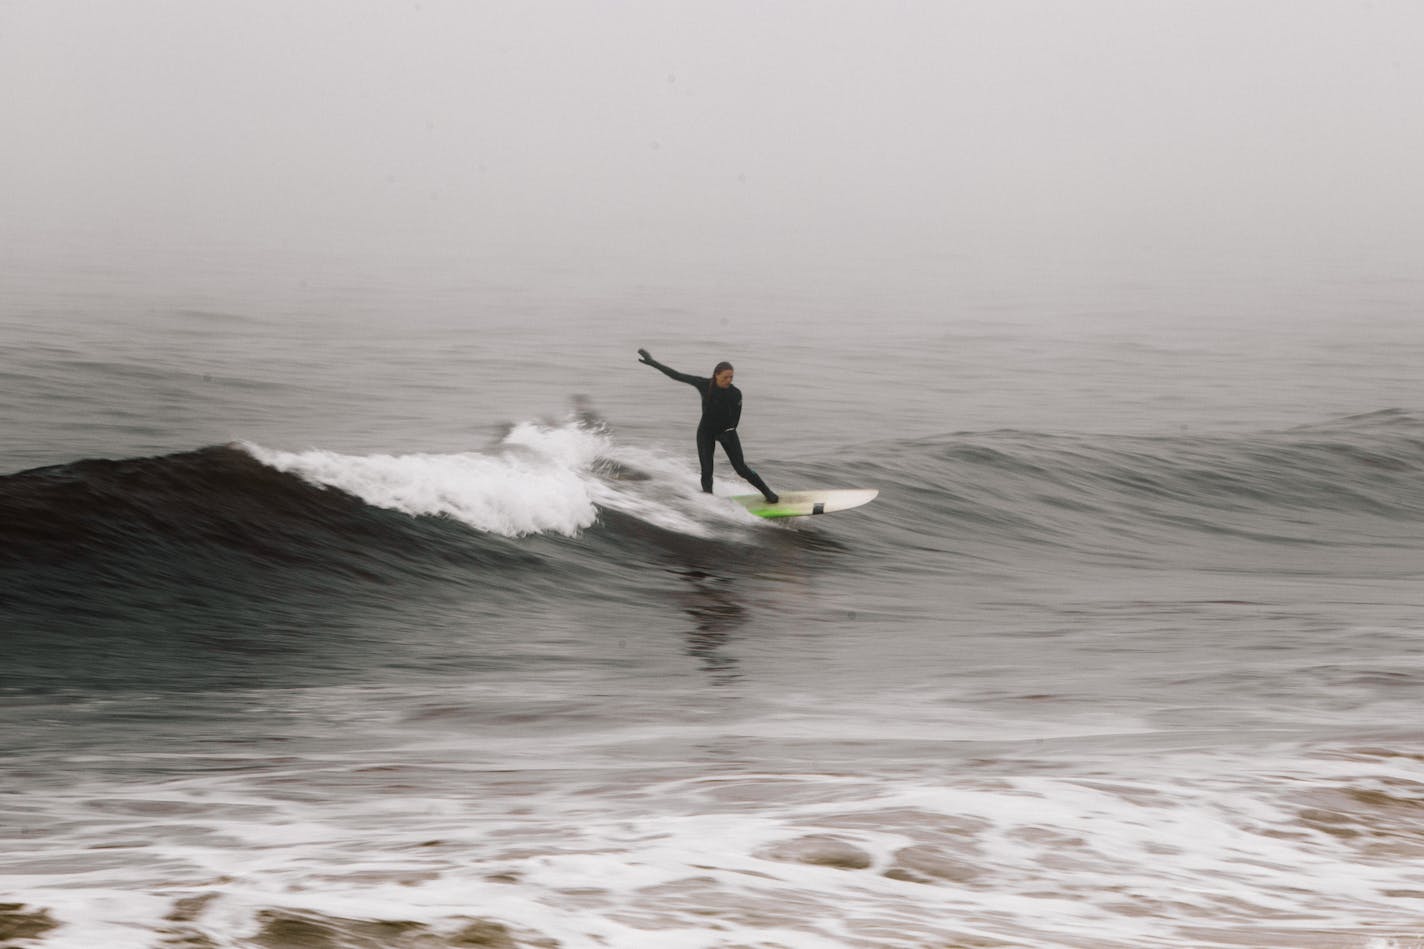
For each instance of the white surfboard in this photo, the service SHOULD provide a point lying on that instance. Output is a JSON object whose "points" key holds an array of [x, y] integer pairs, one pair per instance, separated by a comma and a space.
{"points": [[801, 503]]}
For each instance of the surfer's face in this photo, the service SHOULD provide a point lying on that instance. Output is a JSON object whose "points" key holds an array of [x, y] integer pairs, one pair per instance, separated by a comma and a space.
{"points": [[723, 378]]}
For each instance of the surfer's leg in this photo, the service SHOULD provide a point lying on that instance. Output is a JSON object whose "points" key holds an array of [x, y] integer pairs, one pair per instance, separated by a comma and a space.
{"points": [[706, 445], [733, 445]]}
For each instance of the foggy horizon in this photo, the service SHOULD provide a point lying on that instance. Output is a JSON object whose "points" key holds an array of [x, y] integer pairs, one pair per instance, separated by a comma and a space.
{"points": [[716, 132]]}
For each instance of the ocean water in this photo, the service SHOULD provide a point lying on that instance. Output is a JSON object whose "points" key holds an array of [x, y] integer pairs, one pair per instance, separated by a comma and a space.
{"points": [[376, 606]]}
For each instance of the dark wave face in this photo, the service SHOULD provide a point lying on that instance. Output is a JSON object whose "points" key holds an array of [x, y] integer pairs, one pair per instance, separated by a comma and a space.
{"points": [[227, 563], [214, 568], [207, 561]]}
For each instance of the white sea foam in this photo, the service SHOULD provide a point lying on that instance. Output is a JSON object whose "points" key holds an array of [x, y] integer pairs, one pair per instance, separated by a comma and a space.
{"points": [[598, 841], [537, 479]]}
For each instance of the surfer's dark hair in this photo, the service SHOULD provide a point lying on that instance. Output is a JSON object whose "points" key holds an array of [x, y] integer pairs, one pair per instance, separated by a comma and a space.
{"points": [[712, 383]]}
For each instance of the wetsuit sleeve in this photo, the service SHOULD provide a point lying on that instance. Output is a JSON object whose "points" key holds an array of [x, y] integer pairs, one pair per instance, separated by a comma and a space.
{"points": [[679, 376]]}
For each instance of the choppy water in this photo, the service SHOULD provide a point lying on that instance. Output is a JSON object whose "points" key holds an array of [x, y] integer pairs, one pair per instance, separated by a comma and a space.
{"points": [[328, 624]]}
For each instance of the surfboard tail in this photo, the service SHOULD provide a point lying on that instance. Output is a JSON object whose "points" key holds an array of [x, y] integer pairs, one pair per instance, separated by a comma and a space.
{"points": [[807, 503]]}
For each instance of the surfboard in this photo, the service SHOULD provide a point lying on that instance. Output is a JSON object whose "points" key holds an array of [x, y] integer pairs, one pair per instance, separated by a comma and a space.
{"points": [[802, 503]]}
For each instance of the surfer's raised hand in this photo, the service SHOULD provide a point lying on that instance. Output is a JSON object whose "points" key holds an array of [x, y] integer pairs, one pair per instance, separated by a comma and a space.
{"points": [[646, 358]]}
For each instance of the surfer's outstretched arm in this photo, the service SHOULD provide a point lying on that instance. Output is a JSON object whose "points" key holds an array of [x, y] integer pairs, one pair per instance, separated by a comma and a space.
{"points": [[646, 358]]}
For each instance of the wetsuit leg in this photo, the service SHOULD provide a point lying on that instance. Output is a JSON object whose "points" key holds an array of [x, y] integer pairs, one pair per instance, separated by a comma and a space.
{"points": [[706, 445], [733, 446]]}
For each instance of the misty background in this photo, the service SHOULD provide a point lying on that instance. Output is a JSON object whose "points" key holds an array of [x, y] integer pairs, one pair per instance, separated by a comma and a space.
{"points": [[720, 133], [710, 180]]}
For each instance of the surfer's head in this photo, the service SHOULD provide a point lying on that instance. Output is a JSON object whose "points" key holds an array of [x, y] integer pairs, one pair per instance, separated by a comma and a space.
{"points": [[722, 375]]}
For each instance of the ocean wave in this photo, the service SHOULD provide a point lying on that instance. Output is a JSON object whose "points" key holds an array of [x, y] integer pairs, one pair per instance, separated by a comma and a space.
{"points": [[320, 507], [232, 557], [1359, 479], [564, 507]]}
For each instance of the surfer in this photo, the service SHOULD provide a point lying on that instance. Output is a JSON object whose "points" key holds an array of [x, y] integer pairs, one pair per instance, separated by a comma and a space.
{"points": [[721, 410]]}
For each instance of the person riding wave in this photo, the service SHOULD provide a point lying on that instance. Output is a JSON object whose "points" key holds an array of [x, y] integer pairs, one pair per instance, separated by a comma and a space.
{"points": [[721, 411]]}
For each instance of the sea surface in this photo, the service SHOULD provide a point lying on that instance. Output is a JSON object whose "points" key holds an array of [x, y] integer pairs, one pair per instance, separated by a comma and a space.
{"points": [[363, 604]]}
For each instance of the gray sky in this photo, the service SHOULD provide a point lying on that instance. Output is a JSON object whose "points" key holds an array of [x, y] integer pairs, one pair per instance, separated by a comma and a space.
{"points": [[634, 124]]}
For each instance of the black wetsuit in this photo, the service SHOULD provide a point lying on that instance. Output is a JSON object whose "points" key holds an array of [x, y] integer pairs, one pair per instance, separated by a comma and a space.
{"points": [[721, 411]]}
